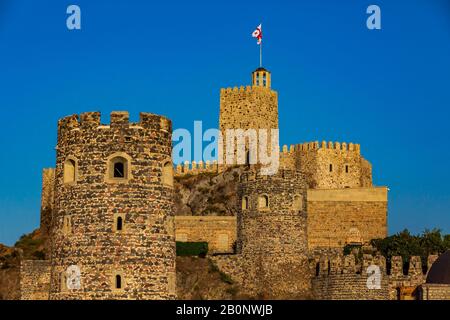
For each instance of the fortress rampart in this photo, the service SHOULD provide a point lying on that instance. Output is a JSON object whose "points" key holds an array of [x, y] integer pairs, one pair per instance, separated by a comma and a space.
{"points": [[343, 278]]}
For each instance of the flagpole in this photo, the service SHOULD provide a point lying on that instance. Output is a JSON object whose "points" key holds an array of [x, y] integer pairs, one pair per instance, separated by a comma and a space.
{"points": [[260, 55]]}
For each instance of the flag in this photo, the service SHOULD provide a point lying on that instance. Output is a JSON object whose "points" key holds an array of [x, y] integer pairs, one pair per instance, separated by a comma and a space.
{"points": [[258, 34]]}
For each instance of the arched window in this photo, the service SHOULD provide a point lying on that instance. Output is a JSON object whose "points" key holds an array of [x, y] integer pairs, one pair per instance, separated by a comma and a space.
{"points": [[167, 174], [118, 168], [70, 170], [263, 202], [245, 203], [118, 281], [346, 168], [331, 167], [119, 224]]}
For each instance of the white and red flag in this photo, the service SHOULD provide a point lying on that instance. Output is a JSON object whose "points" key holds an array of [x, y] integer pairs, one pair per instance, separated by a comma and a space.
{"points": [[258, 34]]}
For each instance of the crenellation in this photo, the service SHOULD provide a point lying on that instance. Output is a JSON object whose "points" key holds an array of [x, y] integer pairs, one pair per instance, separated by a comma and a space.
{"points": [[194, 168], [119, 119], [90, 119], [415, 266]]}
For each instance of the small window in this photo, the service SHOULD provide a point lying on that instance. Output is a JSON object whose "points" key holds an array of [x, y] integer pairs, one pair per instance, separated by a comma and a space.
{"points": [[119, 167], [245, 203], [167, 174], [63, 279], [331, 168], [263, 201], [119, 170], [118, 282], [346, 168], [119, 224], [69, 171]]}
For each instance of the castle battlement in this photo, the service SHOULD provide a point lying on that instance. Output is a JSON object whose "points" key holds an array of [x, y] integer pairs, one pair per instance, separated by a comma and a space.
{"points": [[193, 168], [324, 145], [118, 119], [287, 149], [339, 264], [245, 90]]}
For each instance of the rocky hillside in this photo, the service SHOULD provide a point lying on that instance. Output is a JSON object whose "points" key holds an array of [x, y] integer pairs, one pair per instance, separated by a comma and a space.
{"points": [[199, 279], [207, 193], [9, 273]]}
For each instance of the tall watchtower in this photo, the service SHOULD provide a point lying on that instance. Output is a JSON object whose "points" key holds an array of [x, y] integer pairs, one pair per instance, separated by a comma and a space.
{"points": [[252, 107], [112, 232]]}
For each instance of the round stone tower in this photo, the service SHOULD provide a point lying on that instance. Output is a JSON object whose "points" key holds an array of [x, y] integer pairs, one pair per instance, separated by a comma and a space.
{"points": [[272, 234], [112, 234]]}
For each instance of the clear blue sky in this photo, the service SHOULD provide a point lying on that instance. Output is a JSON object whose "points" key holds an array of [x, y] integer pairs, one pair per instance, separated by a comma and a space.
{"points": [[388, 90]]}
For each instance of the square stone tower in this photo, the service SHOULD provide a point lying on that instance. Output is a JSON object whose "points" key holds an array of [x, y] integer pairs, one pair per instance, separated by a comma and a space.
{"points": [[252, 107]]}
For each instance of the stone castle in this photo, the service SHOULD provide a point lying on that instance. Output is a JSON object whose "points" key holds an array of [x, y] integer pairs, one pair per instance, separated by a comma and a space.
{"points": [[108, 211]]}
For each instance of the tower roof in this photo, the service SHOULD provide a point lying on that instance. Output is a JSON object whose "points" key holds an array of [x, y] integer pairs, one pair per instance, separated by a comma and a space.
{"points": [[261, 69], [440, 270]]}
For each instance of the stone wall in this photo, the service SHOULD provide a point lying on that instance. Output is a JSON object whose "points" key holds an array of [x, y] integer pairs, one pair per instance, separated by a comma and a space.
{"points": [[435, 292], [341, 277], [218, 231], [341, 216], [34, 279], [114, 222], [47, 200], [350, 286]]}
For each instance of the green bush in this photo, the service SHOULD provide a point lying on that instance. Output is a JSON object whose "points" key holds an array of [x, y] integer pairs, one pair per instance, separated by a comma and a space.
{"points": [[405, 244], [192, 249]]}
